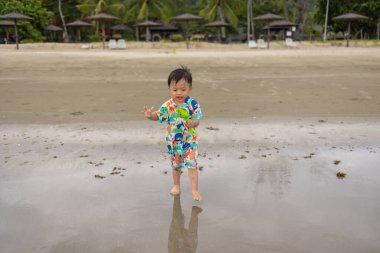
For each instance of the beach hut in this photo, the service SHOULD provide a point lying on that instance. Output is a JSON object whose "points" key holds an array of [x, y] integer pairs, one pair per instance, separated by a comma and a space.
{"points": [[77, 25], [279, 25], [119, 28], [219, 25], [165, 30], [14, 16], [147, 25]]}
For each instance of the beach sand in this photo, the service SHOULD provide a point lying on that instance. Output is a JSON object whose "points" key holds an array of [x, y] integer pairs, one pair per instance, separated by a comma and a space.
{"points": [[81, 171]]}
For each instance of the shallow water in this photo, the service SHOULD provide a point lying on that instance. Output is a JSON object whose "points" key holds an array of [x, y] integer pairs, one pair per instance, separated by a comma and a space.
{"points": [[269, 187]]}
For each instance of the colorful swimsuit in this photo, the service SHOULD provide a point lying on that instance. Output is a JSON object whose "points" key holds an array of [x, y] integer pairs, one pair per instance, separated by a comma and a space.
{"points": [[182, 144]]}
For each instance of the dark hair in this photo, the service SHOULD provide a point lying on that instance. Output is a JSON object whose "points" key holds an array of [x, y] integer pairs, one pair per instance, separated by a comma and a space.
{"points": [[179, 74]]}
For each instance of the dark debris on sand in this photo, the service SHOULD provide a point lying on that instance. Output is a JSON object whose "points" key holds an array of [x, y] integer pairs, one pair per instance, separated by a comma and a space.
{"points": [[212, 128], [309, 156], [76, 113], [341, 175]]}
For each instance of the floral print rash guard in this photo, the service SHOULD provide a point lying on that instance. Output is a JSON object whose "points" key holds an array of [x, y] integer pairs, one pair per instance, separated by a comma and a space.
{"points": [[182, 144]]}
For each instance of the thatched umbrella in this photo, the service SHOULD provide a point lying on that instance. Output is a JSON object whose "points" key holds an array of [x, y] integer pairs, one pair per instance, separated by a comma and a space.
{"points": [[148, 24], [185, 19], [218, 24], [164, 29], [280, 24], [268, 18], [103, 17], [78, 24], [53, 28], [349, 17], [14, 16], [121, 28]]}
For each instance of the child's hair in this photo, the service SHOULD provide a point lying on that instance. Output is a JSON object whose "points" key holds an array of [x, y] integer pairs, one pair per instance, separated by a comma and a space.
{"points": [[179, 74]]}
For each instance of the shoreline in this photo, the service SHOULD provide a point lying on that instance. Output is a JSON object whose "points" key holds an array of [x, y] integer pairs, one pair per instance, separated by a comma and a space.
{"points": [[194, 45]]}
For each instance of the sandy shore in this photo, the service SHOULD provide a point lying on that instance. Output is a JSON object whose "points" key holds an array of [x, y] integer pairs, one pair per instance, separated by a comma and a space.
{"points": [[91, 86], [81, 171]]}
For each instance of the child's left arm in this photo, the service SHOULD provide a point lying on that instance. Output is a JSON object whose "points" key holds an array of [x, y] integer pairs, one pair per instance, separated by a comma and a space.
{"points": [[196, 115]]}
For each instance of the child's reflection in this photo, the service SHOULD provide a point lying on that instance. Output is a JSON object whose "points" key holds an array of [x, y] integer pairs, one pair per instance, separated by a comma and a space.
{"points": [[181, 239]]}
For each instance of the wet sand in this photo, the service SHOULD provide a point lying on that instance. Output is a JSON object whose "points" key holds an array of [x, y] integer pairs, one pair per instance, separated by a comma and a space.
{"points": [[81, 172], [269, 185]]}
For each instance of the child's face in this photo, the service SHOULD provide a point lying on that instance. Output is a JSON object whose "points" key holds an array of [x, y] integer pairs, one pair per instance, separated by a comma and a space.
{"points": [[179, 91]]}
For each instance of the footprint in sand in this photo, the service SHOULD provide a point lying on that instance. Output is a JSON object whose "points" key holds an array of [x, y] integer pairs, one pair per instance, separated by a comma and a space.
{"points": [[76, 113]]}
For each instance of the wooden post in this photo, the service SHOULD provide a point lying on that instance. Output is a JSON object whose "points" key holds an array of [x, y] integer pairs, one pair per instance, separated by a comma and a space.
{"points": [[17, 47], [348, 34], [103, 35]]}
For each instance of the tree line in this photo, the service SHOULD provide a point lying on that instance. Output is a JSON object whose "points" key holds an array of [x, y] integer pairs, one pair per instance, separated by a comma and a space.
{"points": [[306, 14]]}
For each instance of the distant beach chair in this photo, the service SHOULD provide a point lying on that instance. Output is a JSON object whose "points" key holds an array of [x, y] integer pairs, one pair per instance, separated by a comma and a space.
{"points": [[261, 44], [290, 43], [252, 44], [112, 44], [121, 44], [86, 46]]}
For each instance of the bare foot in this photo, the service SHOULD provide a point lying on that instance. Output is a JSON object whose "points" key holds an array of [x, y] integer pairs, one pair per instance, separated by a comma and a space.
{"points": [[197, 196], [175, 190]]}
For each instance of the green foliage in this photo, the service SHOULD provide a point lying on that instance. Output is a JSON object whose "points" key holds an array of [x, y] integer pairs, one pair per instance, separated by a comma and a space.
{"points": [[370, 8], [93, 7], [222, 9], [95, 38], [148, 9], [69, 10], [177, 38], [30, 30], [234, 12]]}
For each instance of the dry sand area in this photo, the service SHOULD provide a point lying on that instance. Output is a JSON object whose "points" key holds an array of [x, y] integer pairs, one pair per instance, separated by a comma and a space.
{"points": [[82, 171], [78, 86]]}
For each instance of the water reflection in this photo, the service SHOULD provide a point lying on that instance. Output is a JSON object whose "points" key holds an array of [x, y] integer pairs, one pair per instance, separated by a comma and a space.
{"points": [[180, 238]]}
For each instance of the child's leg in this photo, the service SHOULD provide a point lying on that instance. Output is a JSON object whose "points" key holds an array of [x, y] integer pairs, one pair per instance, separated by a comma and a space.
{"points": [[191, 164], [193, 175], [176, 181]]}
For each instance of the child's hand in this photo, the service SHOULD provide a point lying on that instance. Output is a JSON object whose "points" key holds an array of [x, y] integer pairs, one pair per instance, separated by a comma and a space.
{"points": [[192, 123], [149, 113]]}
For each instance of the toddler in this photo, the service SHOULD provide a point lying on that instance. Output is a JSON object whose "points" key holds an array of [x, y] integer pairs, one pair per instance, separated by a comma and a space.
{"points": [[182, 113]]}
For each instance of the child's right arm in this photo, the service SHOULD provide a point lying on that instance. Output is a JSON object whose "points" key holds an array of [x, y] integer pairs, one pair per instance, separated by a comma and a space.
{"points": [[150, 113]]}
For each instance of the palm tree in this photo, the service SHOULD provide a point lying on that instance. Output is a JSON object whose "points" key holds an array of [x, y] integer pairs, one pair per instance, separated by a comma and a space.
{"points": [[93, 7], [223, 9], [65, 34], [285, 7], [250, 24], [139, 10]]}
